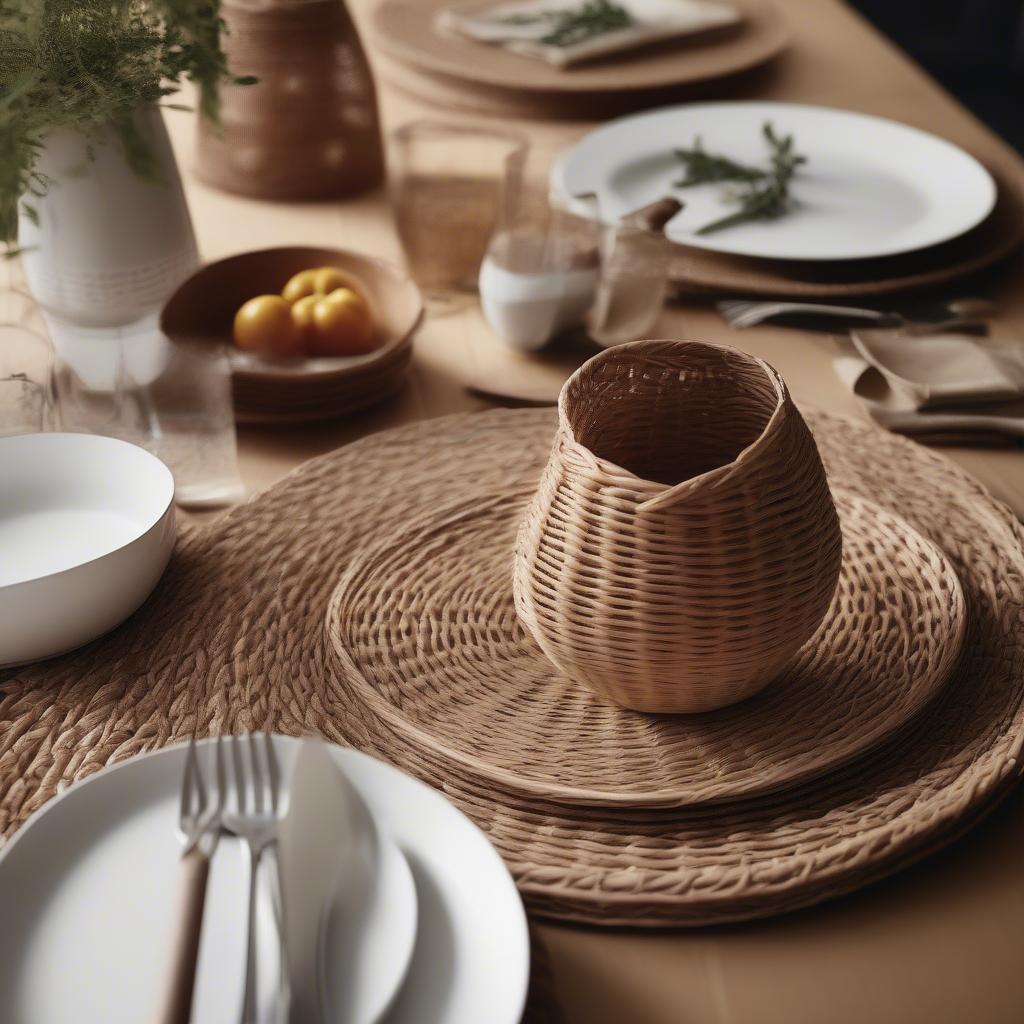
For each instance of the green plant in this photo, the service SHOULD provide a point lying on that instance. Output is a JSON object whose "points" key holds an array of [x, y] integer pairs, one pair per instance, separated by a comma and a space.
{"points": [[766, 192], [87, 64]]}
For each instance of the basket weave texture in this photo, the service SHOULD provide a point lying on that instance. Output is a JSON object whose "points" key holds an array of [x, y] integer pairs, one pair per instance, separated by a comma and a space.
{"points": [[423, 629], [233, 638], [683, 543], [309, 127]]}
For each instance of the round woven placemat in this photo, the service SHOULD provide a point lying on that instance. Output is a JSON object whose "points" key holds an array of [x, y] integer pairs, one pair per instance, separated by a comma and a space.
{"points": [[424, 628], [234, 638]]}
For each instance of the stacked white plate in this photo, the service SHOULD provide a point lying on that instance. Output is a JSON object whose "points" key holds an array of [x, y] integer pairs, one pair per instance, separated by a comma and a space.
{"points": [[87, 888]]}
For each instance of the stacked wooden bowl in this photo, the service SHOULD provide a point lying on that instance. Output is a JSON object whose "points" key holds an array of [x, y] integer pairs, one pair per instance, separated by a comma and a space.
{"points": [[268, 390]]}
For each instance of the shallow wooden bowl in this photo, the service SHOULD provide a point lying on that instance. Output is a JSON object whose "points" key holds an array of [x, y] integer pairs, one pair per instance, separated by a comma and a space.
{"points": [[203, 309]]}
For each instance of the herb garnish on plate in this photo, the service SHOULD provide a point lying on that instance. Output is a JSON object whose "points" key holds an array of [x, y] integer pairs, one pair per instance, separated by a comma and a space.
{"points": [[766, 192], [576, 24]]}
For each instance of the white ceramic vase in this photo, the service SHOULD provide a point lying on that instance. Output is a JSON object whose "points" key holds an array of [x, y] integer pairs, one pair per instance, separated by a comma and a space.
{"points": [[109, 248]]}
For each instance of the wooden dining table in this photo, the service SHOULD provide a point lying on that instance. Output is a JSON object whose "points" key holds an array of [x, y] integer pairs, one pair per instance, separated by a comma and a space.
{"points": [[936, 943]]}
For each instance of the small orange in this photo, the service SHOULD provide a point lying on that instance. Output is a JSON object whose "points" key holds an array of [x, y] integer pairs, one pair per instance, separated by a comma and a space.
{"points": [[302, 314], [300, 285], [329, 279], [344, 325], [265, 324], [317, 281]]}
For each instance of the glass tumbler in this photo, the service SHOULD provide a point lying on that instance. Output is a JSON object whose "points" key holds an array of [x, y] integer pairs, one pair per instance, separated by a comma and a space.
{"points": [[450, 187], [26, 381]]}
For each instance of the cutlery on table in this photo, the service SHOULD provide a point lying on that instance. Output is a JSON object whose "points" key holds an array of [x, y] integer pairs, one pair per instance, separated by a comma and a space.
{"points": [[963, 315], [329, 853], [199, 821], [251, 814]]}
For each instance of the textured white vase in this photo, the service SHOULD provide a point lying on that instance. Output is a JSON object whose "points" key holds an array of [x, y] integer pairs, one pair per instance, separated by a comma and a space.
{"points": [[107, 251]]}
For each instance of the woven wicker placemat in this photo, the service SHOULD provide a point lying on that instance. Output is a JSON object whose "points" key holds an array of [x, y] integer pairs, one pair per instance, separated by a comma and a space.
{"points": [[424, 628], [234, 638]]}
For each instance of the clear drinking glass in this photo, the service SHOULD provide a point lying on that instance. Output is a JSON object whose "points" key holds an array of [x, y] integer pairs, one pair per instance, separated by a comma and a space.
{"points": [[26, 381], [634, 280], [27, 402], [541, 271], [450, 187]]}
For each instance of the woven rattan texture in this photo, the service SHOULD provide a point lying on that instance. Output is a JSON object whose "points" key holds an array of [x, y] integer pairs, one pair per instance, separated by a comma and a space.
{"points": [[683, 543], [308, 128], [234, 637], [424, 626]]}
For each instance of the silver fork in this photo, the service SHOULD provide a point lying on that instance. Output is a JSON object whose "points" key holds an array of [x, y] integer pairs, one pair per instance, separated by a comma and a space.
{"points": [[199, 822], [253, 818]]}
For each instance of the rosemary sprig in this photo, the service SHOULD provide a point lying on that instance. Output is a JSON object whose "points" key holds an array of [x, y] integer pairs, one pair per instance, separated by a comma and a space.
{"points": [[592, 18], [766, 196], [703, 167]]}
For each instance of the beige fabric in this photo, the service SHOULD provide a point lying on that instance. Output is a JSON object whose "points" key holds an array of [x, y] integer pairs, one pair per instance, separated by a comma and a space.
{"points": [[944, 389]]}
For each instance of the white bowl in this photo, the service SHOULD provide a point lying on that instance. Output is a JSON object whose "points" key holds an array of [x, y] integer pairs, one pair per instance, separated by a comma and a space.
{"points": [[86, 529]]}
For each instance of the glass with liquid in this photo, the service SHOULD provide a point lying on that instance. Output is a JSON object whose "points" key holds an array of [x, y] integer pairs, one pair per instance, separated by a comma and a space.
{"points": [[450, 187]]}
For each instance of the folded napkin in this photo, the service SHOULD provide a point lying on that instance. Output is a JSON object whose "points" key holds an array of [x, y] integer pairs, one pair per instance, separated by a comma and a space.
{"points": [[529, 26], [942, 388]]}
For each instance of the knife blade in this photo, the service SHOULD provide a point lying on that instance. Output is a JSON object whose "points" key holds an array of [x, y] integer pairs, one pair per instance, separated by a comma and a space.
{"points": [[328, 849]]}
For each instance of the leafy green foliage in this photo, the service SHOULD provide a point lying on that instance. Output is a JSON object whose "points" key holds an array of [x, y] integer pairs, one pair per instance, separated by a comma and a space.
{"points": [[766, 195], [86, 64]]}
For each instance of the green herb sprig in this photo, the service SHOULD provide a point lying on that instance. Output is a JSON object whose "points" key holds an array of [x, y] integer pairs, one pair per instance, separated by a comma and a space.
{"points": [[766, 196], [702, 167], [574, 25], [85, 64]]}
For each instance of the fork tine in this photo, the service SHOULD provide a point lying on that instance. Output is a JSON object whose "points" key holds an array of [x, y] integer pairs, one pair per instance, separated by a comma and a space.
{"points": [[273, 773], [218, 773], [193, 798], [257, 773], [236, 759]]}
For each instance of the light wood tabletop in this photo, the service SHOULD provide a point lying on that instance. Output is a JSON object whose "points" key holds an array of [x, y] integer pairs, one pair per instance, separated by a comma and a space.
{"points": [[938, 943]]}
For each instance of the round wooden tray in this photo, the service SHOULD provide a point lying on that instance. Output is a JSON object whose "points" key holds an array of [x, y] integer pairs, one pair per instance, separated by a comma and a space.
{"points": [[424, 628], [404, 31], [234, 637]]}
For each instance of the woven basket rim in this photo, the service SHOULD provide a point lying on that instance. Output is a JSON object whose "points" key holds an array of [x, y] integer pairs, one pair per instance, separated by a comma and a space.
{"points": [[663, 495]]}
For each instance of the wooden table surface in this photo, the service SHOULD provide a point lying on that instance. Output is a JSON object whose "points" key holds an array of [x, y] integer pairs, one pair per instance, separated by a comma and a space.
{"points": [[939, 943]]}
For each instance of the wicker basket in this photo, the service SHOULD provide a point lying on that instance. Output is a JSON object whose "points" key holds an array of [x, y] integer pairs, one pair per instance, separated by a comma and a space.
{"points": [[309, 127], [683, 542]]}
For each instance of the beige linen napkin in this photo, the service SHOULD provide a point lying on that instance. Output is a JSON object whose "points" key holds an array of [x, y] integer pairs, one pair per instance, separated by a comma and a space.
{"points": [[523, 26], [942, 388]]}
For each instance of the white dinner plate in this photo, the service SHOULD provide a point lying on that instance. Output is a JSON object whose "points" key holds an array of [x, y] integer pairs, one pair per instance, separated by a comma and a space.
{"points": [[86, 530], [87, 888], [871, 187]]}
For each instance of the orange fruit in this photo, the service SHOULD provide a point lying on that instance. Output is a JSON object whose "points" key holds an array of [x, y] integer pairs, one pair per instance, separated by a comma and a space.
{"points": [[317, 281], [302, 314], [299, 285], [344, 325], [265, 324], [329, 279]]}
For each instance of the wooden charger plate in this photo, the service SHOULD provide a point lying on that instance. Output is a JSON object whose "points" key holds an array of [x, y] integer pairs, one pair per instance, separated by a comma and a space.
{"points": [[201, 312], [404, 31], [424, 627], [701, 272]]}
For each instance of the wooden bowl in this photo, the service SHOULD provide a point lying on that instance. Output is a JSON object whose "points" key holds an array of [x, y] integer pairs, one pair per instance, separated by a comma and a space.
{"points": [[203, 308]]}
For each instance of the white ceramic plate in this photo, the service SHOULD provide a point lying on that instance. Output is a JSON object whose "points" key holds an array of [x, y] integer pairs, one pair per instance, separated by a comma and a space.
{"points": [[871, 187], [86, 529], [87, 887]]}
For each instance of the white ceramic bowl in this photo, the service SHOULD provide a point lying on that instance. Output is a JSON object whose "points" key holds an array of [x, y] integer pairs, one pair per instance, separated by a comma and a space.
{"points": [[86, 529]]}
